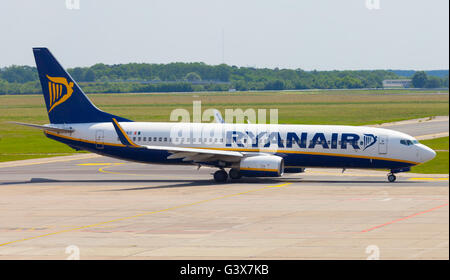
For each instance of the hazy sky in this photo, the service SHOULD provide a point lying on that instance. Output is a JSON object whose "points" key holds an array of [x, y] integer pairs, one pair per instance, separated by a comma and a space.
{"points": [[307, 34]]}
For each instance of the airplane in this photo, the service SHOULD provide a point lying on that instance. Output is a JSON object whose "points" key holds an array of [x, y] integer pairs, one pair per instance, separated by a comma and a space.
{"points": [[245, 150]]}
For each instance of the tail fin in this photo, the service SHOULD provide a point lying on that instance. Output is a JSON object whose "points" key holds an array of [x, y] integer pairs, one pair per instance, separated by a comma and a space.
{"points": [[66, 102]]}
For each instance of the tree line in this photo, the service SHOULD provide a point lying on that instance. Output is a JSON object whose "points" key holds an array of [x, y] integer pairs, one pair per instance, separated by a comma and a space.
{"points": [[186, 77], [421, 79]]}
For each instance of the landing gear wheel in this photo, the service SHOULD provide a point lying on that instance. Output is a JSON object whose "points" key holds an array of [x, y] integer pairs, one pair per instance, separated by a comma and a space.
{"points": [[391, 178], [220, 176], [234, 174]]}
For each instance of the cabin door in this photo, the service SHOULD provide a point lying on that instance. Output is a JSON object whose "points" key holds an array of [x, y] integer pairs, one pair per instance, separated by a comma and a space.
{"points": [[382, 144], [99, 139]]}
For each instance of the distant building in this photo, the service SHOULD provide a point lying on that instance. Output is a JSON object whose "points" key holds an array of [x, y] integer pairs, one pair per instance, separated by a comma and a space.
{"points": [[405, 83]]}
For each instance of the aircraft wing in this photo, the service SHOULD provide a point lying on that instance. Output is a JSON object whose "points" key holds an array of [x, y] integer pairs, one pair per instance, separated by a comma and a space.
{"points": [[199, 155], [186, 154]]}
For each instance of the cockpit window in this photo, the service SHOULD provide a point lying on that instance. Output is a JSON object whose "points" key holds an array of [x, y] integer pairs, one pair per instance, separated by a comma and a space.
{"points": [[408, 142]]}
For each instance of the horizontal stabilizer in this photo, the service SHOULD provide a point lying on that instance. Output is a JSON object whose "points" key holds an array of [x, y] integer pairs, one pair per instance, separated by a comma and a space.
{"points": [[44, 127]]}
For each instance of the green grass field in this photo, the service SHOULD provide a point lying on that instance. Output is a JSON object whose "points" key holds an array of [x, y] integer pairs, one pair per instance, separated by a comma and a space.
{"points": [[440, 164], [305, 107]]}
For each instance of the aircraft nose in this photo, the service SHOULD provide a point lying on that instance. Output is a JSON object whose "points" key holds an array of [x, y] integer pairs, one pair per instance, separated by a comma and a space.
{"points": [[426, 154]]}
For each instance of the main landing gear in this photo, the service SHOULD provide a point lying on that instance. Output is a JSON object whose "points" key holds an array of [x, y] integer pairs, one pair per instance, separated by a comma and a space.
{"points": [[234, 174], [221, 176], [391, 177]]}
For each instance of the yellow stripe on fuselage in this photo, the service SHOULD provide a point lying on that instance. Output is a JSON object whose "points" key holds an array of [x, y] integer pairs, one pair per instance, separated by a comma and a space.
{"points": [[307, 153], [258, 169], [81, 140]]}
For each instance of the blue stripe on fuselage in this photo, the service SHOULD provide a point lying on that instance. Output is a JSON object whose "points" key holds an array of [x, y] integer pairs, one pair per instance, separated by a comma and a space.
{"points": [[291, 159]]}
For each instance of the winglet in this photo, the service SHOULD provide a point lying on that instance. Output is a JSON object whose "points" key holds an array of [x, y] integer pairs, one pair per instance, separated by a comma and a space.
{"points": [[218, 116], [122, 135]]}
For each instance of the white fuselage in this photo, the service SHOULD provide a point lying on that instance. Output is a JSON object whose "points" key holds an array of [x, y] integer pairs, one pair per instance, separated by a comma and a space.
{"points": [[303, 145]]}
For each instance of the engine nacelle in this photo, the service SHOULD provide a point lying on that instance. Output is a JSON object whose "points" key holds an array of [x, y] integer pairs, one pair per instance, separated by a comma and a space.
{"points": [[262, 166]]}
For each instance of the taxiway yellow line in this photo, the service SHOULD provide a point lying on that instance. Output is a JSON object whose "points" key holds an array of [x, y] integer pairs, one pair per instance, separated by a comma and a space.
{"points": [[102, 170], [428, 179], [108, 165], [143, 214], [96, 164]]}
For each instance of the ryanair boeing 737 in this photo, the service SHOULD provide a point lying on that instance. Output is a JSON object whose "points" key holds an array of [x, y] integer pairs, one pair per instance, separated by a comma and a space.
{"points": [[245, 150]]}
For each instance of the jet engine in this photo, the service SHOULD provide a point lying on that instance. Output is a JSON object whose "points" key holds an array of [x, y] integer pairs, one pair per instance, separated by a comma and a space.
{"points": [[262, 166]]}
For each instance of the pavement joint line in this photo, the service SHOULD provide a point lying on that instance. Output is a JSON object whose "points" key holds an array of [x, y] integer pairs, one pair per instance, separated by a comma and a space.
{"points": [[404, 218], [432, 136], [54, 159], [143, 214]]}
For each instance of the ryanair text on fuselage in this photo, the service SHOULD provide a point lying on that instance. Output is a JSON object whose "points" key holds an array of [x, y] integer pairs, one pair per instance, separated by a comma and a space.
{"points": [[333, 141]]}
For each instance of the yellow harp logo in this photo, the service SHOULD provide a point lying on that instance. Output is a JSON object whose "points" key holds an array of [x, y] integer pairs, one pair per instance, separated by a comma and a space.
{"points": [[59, 91]]}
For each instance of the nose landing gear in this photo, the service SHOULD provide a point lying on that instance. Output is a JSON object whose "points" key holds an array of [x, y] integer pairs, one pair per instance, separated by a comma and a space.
{"points": [[391, 177]]}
